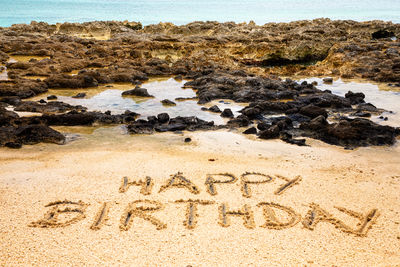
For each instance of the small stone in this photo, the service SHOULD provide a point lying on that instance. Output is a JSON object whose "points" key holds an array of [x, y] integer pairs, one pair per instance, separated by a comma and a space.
{"points": [[168, 102], [188, 140], [251, 130], [328, 80], [227, 113], [51, 97], [137, 92], [215, 109], [13, 145], [361, 114], [163, 117], [79, 95], [270, 133]]}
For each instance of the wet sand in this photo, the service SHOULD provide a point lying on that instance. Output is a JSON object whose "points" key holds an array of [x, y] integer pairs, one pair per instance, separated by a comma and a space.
{"points": [[91, 168]]}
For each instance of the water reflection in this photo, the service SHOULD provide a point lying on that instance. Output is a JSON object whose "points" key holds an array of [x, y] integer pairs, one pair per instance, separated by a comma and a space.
{"points": [[20, 58], [108, 97], [3, 74], [24, 58]]}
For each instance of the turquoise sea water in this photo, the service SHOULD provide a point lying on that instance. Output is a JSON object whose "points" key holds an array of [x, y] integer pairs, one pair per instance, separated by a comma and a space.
{"points": [[181, 12]]}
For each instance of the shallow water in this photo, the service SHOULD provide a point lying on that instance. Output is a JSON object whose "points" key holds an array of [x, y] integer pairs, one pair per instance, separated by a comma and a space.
{"points": [[181, 12], [3, 75], [105, 98], [20, 58], [108, 97], [25, 58], [35, 77]]}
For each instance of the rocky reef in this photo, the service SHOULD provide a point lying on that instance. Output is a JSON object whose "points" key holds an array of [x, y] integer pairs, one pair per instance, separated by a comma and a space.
{"points": [[240, 62]]}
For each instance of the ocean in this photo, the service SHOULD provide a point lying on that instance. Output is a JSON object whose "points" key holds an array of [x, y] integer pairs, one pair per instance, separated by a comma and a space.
{"points": [[182, 12]]}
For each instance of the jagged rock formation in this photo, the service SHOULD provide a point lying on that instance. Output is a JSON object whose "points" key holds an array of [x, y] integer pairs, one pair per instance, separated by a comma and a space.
{"points": [[223, 60]]}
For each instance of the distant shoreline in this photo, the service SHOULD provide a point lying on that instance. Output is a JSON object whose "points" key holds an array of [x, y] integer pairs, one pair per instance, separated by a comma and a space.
{"points": [[182, 12], [201, 21]]}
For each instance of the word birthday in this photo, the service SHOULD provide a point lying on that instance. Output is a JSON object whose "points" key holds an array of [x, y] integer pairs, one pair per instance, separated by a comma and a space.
{"points": [[276, 216]]}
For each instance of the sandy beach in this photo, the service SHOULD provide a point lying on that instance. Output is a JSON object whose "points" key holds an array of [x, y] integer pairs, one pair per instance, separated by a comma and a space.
{"points": [[91, 170]]}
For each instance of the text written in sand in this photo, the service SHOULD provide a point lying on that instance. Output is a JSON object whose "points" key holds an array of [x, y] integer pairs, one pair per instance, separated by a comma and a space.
{"points": [[275, 216]]}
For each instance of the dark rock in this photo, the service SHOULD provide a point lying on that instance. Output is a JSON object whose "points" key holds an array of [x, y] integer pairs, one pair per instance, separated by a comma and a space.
{"points": [[172, 127], [188, 140], [355, 98], [75, 118], [299, 142], [11, 100], [324, 100], [52, 97], [6, 117], [141, 127], [288, 138], [13, 145], [262, 126], [68, 81], [270, 133], [50, 107], [315, 124], [239, 121], [383, 33], [79, 95], [33, 134], [367, 107], [23, 88], [361, 114], [383, 118], [313, 111], [215, 109], [163, 117], [168, 102], [282, 122], [251, 130], [227, 113], [129, 116], [192, 123], [327, 80], [251, 112], [351, 132], [70, 119], [137, 92]]}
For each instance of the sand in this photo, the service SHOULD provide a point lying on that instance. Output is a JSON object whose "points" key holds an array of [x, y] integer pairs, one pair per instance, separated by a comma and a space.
{"points": [[91, 170]]}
